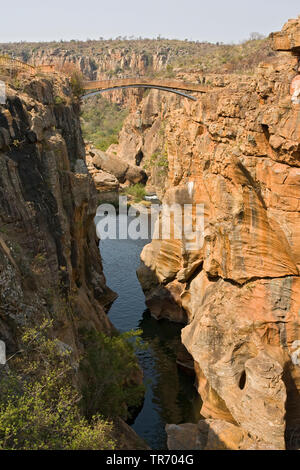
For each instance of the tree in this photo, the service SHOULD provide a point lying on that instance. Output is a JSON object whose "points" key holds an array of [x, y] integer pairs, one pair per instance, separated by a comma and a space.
{"points": [[256, 36], [113, 379], [75, 76], [39, 405]]}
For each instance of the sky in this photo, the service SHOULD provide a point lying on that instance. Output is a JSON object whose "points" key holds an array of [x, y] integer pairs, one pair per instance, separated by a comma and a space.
{"points": [[204, 20]]}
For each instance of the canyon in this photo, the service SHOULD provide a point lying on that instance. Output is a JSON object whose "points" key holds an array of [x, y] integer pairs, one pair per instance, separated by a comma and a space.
{"points": [[236, 151]]}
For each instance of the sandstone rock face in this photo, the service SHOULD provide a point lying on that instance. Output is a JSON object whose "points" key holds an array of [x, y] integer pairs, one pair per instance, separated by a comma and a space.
{"points": [[108, 170], [104, 181], [102, 62], [295, 89], [236, 152], [107, 60], [210, 434], [289, 38], [142, 138], [50, 264]]}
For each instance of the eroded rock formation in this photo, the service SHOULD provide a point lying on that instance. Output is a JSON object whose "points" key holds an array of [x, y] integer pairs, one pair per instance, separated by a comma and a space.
{"points": [[96, 64], [109, 171], [48, 248], [50, 265], [237, 152]]}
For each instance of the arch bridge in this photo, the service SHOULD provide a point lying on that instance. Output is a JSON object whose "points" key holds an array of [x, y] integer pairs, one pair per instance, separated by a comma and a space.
{"points": [[174, 86]]}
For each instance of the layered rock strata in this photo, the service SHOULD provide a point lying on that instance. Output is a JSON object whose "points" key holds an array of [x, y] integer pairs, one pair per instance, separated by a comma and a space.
{"points": [[236, 153], [50, 265], [49, 255]]}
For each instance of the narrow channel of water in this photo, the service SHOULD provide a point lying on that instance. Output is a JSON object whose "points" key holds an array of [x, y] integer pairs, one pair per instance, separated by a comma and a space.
{"points": [[170, 394]]}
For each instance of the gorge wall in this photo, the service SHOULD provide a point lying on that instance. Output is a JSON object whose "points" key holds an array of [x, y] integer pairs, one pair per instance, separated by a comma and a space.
{"points": [[237, 151], [49, 253], [122, 57], [50, 265]]}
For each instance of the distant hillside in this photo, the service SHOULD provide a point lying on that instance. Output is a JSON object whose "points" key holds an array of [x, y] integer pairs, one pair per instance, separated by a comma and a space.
{"points": [[121, 56]]}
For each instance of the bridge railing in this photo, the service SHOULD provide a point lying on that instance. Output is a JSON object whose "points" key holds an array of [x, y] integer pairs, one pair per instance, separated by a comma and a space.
{"points": [[8, 62]]}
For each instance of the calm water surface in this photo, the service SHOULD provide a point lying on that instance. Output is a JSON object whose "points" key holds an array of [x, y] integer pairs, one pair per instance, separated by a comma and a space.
{"points": [[170, 394]]}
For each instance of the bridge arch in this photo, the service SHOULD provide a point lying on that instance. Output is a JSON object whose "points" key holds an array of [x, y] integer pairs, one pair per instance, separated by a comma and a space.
{"points": [[170, 85], [157, 87]]}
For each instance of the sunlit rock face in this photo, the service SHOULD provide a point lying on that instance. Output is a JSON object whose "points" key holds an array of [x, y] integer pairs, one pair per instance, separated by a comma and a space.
{"points": [[289, 38], [109, 171], [237, 152], [102, 61]]}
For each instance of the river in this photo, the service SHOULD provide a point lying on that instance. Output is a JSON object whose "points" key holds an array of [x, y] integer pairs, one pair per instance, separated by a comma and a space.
{"points": [[170, 394]]}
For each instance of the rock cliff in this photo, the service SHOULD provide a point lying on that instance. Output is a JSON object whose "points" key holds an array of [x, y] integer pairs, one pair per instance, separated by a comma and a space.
{"points": [[123, 57], [98, 64], [98, 61], [49, 255], [236, 151], [50, 265]]}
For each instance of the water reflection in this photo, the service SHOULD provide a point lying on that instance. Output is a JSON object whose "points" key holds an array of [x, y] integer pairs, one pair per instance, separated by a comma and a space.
{"points": [[170, 394]]}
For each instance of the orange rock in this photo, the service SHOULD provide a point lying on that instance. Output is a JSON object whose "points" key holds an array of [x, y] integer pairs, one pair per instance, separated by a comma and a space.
{"points": [[238, 148], [289, 38]]}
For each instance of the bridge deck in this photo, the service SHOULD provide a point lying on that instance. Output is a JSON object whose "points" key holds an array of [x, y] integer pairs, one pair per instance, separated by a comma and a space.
{"points": [[142, 81]]}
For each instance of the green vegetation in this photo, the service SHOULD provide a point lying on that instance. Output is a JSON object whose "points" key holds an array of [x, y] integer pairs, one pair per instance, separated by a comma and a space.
{"points": [[137, 191], [111, 369], [39, 405], [76, 82], [237, 58], [219, 58], [59, 100], [102, 121], [158, 160]]}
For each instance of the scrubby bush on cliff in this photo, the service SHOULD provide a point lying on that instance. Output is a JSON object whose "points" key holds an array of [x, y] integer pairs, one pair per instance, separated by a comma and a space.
{"points": [[159, 160], [76, 78], [112, 375], [137, 191], [76, 82], [39, 405]]}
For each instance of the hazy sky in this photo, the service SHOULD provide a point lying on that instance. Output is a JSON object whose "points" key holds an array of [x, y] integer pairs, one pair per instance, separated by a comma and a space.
{"points": [[205, 20]]}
